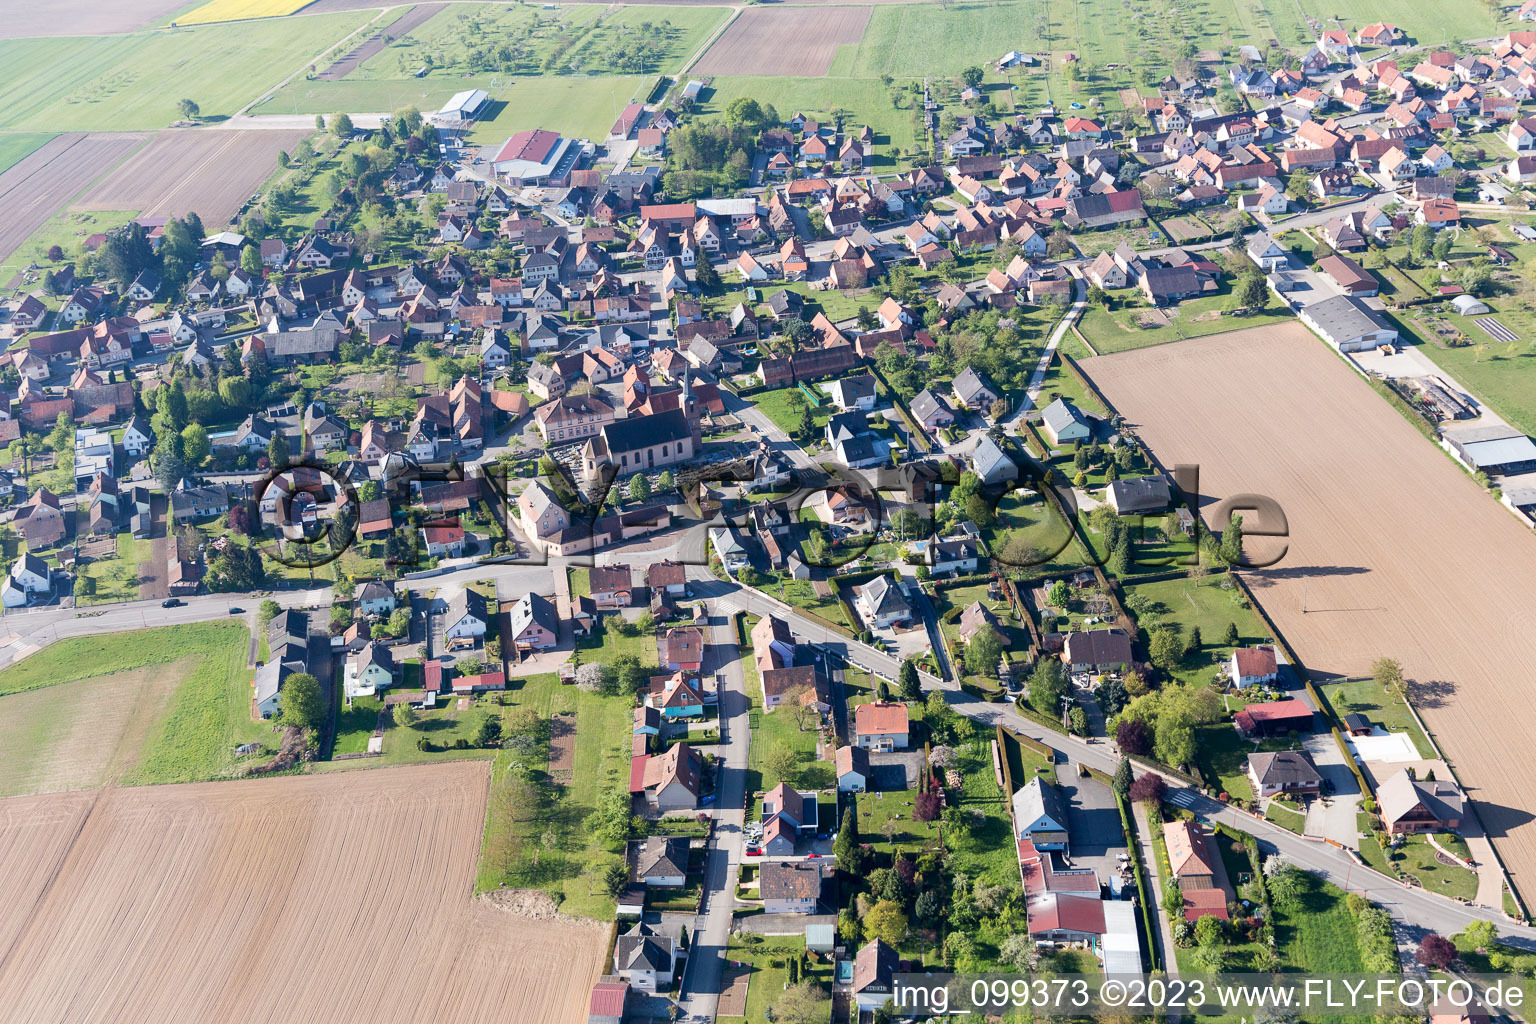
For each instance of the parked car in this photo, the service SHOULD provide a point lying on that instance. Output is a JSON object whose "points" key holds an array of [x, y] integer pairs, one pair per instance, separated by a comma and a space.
{"points": [[171, 602]]}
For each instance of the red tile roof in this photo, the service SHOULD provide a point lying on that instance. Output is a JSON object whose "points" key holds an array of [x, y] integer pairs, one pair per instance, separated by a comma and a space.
{"points": [[880, 719]]}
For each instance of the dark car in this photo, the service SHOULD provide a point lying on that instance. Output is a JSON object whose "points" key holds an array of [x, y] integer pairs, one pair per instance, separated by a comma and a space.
{"points": [[237, 611], [171, 602]]}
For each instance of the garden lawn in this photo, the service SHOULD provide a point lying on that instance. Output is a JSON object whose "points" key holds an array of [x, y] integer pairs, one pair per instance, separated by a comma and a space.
{"points": [[987, 854], [1319, 938], [134, 81], [768, 960], [780, 729], [543, 843], [1286, 818], [1417, 858], [117, 579], [776, 406], [1120, 330], [1500, 374], [866, 100], [1367, 697], [1202, 603]]}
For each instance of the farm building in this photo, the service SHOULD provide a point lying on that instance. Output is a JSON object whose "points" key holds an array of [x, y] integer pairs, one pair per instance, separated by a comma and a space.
{"points": [[1347, 323]]}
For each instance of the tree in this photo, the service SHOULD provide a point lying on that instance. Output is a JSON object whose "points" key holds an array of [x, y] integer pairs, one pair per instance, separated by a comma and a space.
{"points": [[1078, 720], [882, 691], [1124, 776], [250, 260], [188, 110], [1285, 887], [1060, 594], [1174, 738], [267, 611], [1388, 674], [1120, 557], [847, 837], [1047, 684], [404, 716], [1165, 646], [615, 879], [1020, 952], [907, 682], [886, 922], [300, 701], [639, 487], [320, 122], [590, 676], [1232, 541], [489, 733], [1131, 737], [1098, 297], [666, 481], [1194, 644], [982, 652], [341, 125], [611, 823], [972, 77], [195, 446], [1482, 934], [803, 1002], [277, 451], [1209, 930], [1250, 292], [1230, 638], [784, 763], [926, 807], [1148, 789], [706, 276]]}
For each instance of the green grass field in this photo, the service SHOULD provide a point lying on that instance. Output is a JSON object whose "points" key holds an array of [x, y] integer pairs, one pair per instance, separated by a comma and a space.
{"points": [[1366, 697], [534, 834], [1122, 329], [178, 723], [867, 100], [117, 579], [126, 82], [14, 147], [68, 229], [1202, 603], [766, 958]]}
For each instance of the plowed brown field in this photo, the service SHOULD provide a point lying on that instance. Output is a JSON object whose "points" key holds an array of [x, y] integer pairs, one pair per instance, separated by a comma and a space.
{"points": [[779, 41], [1395, 550], [337, 898], [209, 172], [39, 184]]}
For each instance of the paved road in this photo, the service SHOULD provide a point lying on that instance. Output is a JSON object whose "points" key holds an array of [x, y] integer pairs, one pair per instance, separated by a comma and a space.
{"points": [[705, 971], [1415, 909]]}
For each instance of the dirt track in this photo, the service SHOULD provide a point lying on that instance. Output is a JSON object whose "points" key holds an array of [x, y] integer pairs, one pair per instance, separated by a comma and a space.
{"points": [[1395, 550], [38, 185], [374, 44], [338, 898], [773, 41], [207, 171]]}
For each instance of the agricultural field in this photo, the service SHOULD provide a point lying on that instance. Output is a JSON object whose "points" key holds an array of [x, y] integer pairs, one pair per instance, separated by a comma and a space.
{"points": [[14, 147], [42, 182], [784, 41], [84, 17], [239, 10], [67, 715], [1323, 445], [135, 82], [383, 31], [231, 888], [210, 172]]}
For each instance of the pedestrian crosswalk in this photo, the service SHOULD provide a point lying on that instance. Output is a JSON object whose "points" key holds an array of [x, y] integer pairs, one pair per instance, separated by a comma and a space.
{"points": [[1182, 797]]}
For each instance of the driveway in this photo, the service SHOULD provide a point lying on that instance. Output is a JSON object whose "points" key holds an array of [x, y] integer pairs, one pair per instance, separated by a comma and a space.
{"points": [[1333, 816], [1094, 819]]}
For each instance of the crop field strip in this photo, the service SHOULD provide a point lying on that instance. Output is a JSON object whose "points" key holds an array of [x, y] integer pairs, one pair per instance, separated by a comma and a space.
{"points": [[374, 44], [210, 901], [207, 170], [45, 180], [135, 82], [1394, 549], [83, 17], [777, 41]]}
